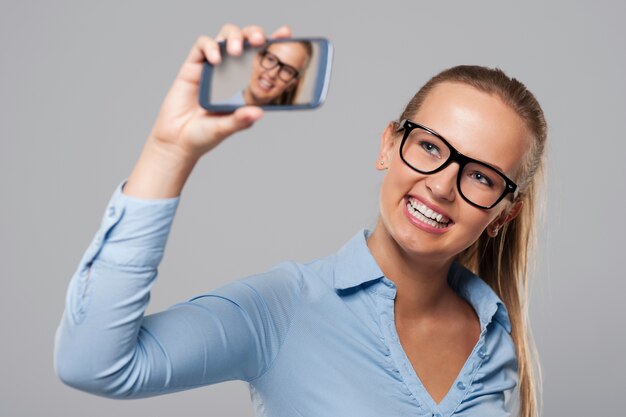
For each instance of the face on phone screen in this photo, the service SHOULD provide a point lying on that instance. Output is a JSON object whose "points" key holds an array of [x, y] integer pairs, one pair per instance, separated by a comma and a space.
{"points": [[282, 74]]}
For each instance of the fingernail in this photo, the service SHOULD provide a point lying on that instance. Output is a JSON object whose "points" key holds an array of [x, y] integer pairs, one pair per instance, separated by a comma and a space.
{"points": [[215, 57]]}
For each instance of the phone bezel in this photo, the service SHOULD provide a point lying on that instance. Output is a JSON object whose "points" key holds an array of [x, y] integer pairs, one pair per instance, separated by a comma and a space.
{"points": [[319, 92]]}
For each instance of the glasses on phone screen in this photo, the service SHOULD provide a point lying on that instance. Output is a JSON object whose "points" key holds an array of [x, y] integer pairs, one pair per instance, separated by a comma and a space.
{"points": [[285, 72]]}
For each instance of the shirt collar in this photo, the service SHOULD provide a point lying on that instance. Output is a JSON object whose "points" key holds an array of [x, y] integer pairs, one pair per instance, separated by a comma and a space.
{"points": [[356, 266], [480, 295], [355, 263]]}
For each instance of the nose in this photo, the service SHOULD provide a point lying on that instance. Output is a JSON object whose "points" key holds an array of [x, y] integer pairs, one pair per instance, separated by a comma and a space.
{"points": [[273, 72], [442, 184]]}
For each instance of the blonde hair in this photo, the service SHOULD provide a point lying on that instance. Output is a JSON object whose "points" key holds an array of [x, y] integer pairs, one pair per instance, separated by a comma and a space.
{"points": [[503, 261]]}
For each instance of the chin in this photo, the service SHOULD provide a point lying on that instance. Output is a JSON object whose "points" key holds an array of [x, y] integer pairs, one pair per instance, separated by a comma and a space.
{"points": [[417, 243]]}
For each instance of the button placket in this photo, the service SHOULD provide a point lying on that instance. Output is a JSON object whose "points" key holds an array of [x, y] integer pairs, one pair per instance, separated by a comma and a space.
{"points": [[384, 306], [482, 352], [388, 337], [400, 363]]}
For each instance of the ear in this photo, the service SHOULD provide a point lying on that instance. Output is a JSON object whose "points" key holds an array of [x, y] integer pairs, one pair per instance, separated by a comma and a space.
{"points": [[387, 142], [513, 211], [505, 217]]}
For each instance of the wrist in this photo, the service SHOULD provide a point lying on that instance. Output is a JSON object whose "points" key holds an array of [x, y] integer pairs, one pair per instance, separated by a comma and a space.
{"points": [[172, 152], [161, 171]]}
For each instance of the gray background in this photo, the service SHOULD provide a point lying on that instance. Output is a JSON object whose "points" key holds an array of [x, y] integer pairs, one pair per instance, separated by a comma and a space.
{"points": [[81, 82]]}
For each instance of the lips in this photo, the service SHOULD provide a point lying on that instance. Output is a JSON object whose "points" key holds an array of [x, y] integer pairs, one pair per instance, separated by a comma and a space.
{"points": [[429, 215], [265, 84]]}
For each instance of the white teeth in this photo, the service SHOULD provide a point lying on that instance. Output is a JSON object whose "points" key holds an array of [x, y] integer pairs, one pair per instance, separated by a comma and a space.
{"points": [[426, 214], [425, 219], [265, 84]]}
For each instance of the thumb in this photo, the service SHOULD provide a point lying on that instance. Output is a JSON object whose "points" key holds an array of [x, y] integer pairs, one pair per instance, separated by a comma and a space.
{"points": [[240, 119]]}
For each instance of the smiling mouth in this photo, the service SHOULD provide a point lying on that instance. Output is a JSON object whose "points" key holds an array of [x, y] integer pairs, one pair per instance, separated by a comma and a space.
{"points": [[426, 215], [265, 84]]}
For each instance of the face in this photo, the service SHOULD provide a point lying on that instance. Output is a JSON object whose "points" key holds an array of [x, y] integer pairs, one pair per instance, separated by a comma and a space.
{"points": [[265, 84], [478, 125]]}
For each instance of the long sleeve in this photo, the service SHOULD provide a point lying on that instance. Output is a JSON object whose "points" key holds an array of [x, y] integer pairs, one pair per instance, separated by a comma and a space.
{"points": [[105, 345]]}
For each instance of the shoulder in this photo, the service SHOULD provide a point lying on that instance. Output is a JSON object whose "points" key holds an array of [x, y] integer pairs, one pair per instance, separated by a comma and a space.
{"points": [[284, 285], [486, 303], [497, 350], [291, 285]]}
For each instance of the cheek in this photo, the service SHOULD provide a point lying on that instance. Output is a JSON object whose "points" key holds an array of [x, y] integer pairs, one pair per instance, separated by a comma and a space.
{"points": [[399, 179], [396, 184], [476, 226], [283, 86], [476, 221], [390, 188]]}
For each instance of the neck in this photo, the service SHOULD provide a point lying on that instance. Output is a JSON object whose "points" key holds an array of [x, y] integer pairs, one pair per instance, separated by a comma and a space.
{"points": [[421, 283]]}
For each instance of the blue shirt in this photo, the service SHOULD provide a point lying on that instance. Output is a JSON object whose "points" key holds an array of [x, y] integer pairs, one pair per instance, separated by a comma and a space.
{"points": [[236, 99], [315, 339]]}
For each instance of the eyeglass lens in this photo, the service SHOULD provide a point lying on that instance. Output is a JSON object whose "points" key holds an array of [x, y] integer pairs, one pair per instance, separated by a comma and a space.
{"points": [[285, 72], [480, 184]]}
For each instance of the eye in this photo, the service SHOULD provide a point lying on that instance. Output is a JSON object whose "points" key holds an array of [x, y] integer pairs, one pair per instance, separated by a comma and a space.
{"points": [[481, 178], [290, 72], [430, 148]]}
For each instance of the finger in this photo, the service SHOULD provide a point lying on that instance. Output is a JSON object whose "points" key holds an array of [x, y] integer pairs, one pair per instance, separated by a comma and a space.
{"points": [[242, 118], [205, 48], [254, 34], [225, 30], [234, 39], [282, 32]]}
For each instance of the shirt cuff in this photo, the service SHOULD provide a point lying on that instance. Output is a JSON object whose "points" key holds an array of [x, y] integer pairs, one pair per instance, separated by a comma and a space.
{"points": [[133, 231]]}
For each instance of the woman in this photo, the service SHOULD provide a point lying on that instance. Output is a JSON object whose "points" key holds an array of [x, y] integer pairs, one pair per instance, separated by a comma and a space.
{"points": [[393, 324], [277, 73]]}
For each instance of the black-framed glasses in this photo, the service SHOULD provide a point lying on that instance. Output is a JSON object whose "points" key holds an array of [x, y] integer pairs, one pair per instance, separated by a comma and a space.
{"points": [[285, 72], [427, 152]]}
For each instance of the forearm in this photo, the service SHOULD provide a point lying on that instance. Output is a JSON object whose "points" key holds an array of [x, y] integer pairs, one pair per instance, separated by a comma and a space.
{"points": [[108, 294], [160, 172], [104, 344]]}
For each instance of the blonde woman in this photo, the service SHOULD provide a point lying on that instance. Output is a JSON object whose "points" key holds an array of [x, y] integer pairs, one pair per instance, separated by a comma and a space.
{"points": [[277, 73], [424, 315]]}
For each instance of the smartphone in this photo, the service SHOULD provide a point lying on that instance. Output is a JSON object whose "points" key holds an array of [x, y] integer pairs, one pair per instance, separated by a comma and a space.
{"points": [[283, 74]]}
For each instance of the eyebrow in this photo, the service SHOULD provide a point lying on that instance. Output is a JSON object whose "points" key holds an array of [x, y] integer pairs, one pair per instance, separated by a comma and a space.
{"points": [[283, 63], [488, 163], [479, 160], [484, 162]]}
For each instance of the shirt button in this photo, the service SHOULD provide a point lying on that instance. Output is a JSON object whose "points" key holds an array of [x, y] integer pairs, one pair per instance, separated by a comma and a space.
{"points": [[111, 211], [482, 352], [460, 385]]}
